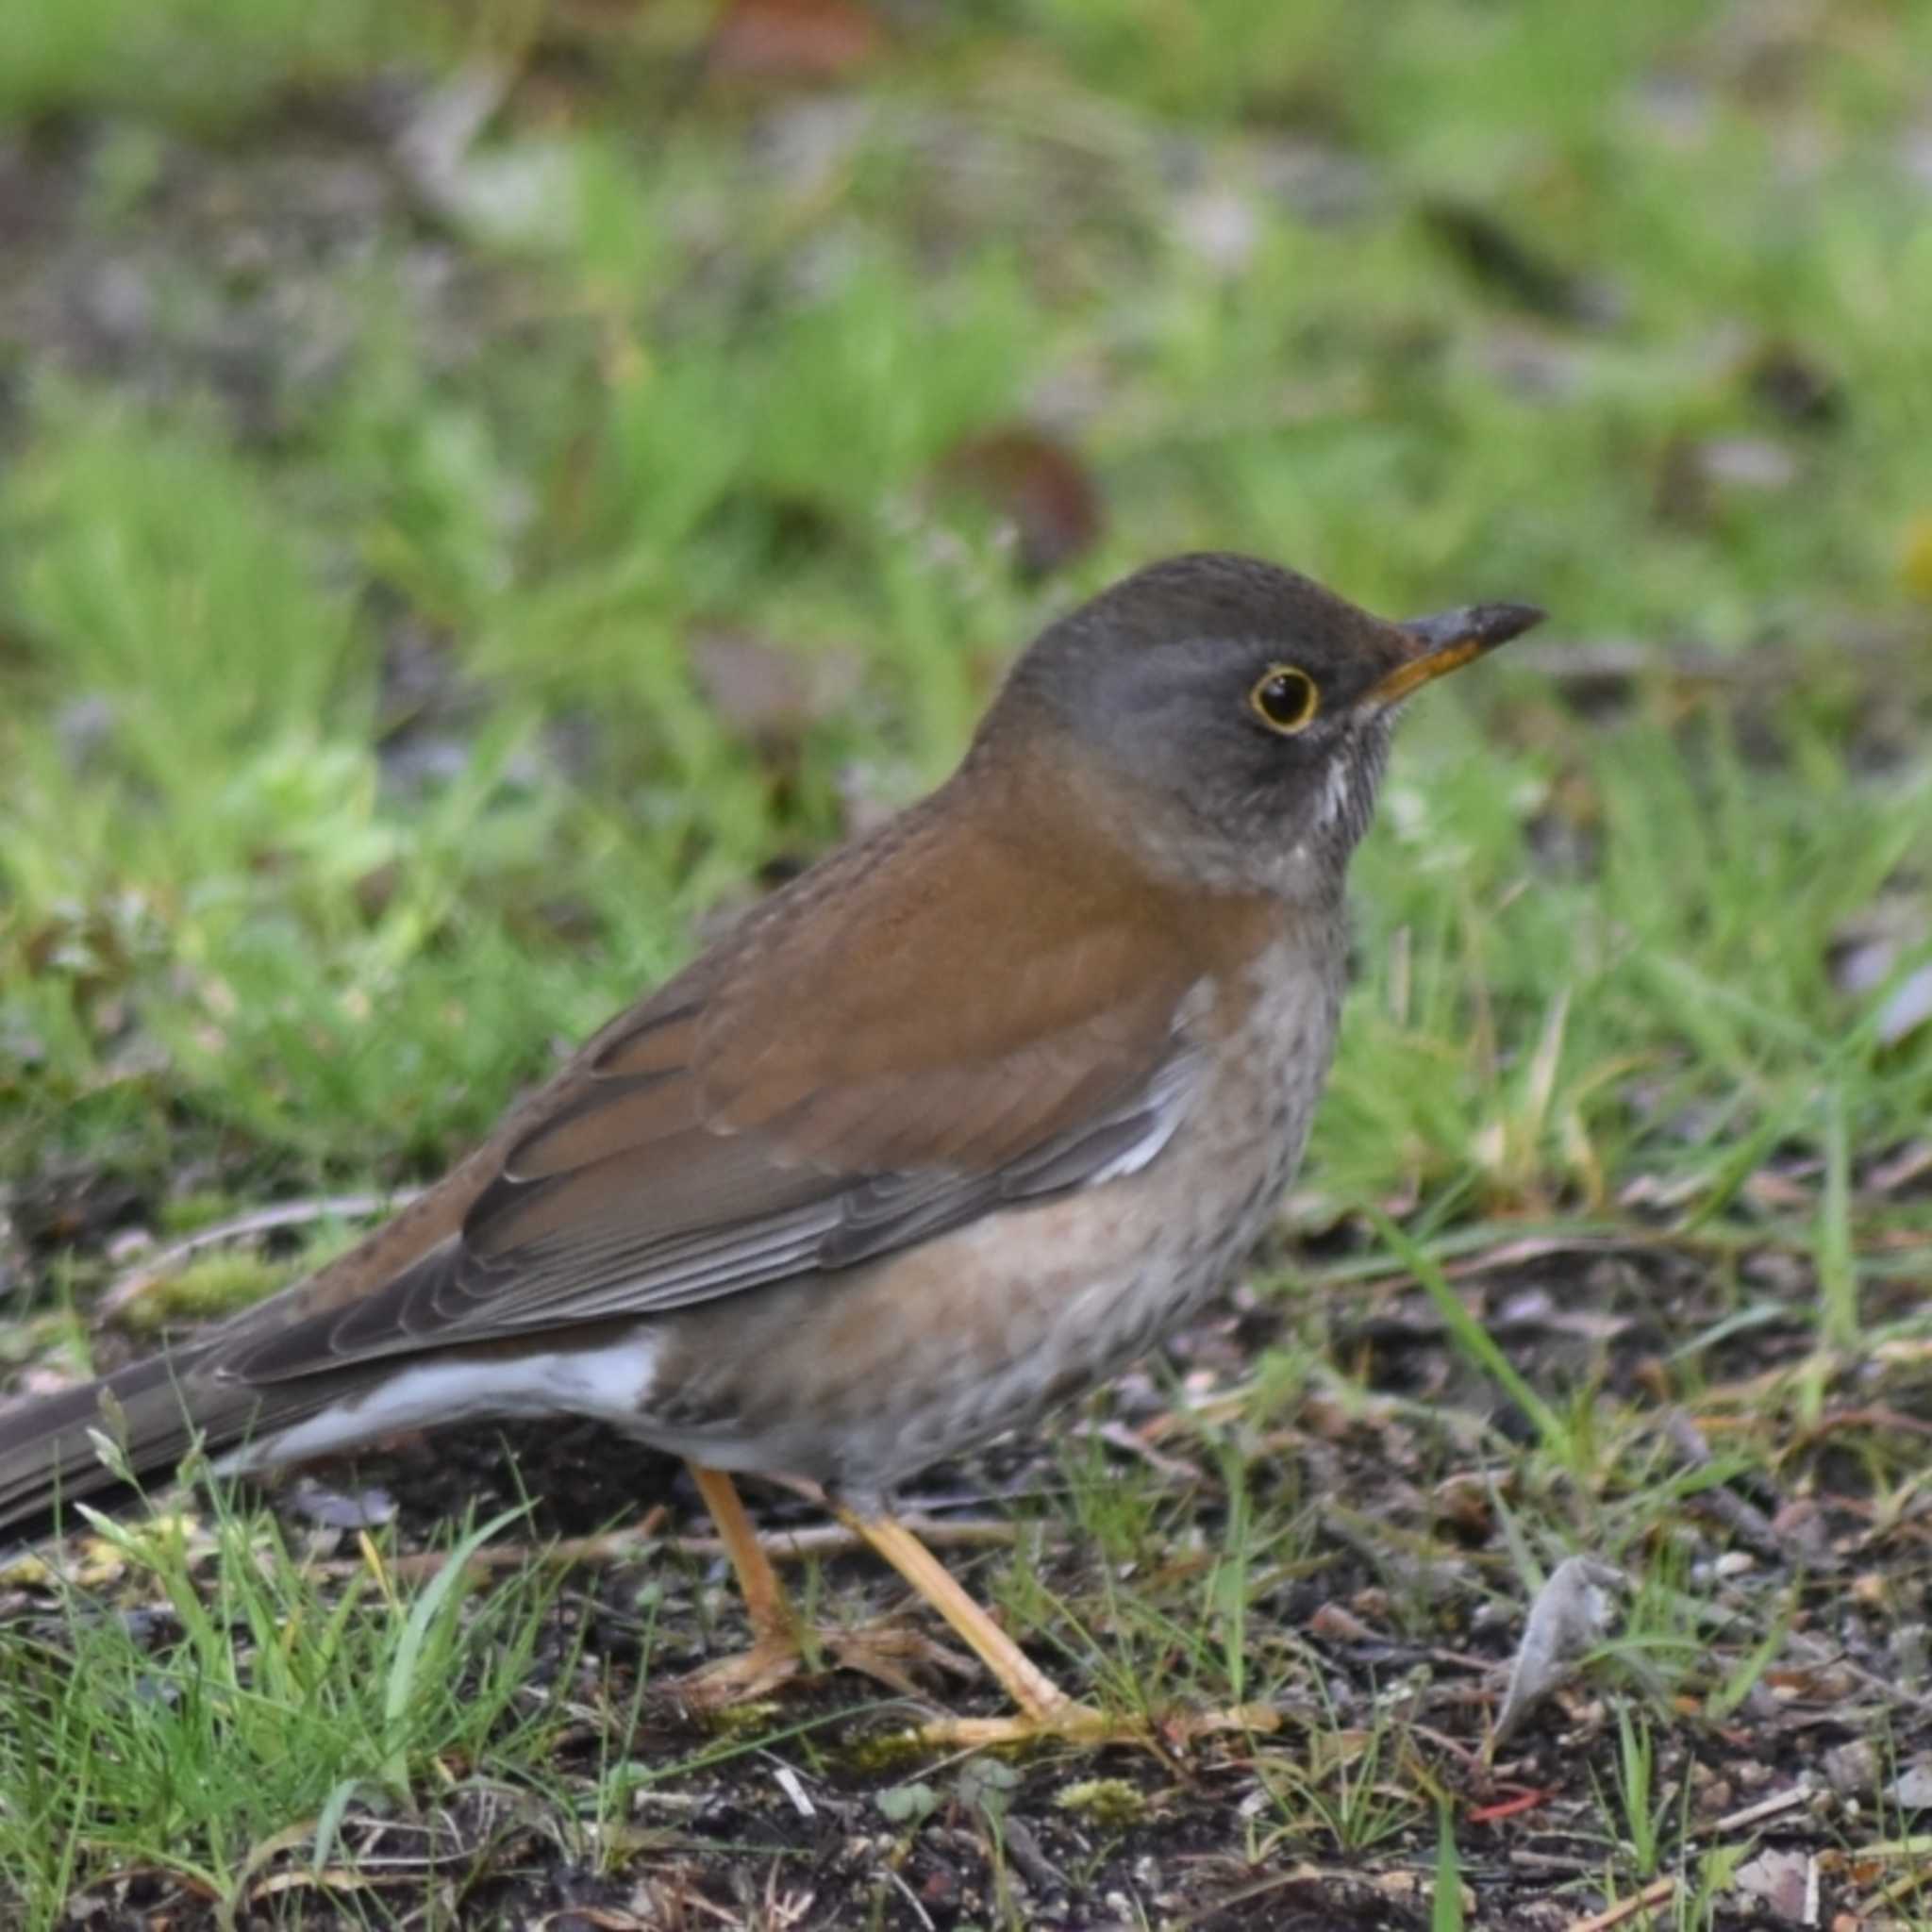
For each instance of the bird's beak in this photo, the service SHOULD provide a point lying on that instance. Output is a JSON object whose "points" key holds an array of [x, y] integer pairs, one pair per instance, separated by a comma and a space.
{"points": [[1448, 640]]}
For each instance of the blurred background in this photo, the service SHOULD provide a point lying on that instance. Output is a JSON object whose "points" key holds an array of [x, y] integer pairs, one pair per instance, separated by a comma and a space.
{"points": [[485, 489]]}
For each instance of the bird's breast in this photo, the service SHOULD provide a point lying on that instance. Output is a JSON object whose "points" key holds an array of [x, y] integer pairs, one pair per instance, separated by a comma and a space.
{"points": [[865, 1377]]}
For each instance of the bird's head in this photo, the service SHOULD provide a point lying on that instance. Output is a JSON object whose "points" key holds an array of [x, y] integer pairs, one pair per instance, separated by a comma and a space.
{"points": [[1230, 718]]}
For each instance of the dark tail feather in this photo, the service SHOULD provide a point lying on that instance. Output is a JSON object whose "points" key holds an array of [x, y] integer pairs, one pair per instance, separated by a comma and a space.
{"points": [[152, 1409]]}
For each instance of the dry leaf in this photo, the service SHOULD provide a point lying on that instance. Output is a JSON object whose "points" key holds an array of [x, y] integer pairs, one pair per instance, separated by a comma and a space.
{"points": [[793, 39], [1035, 485], [1782, 1880], [1332, 1620], [1569, 1615]]}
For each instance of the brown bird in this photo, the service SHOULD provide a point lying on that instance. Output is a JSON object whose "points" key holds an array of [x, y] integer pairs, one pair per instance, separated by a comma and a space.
{"points": [[941, 1135]]}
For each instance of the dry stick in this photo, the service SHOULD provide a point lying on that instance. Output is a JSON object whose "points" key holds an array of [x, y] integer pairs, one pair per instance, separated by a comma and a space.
{"points": [[790, 1546], [495, 1557], [1659, 1892], [1914, 1880], [835, 1539], [912, 1896], [1570, 1866], [1773, 1806]]}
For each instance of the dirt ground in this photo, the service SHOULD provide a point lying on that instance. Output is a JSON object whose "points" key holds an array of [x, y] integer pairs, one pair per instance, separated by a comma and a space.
{"points": [[1396, 1609]]}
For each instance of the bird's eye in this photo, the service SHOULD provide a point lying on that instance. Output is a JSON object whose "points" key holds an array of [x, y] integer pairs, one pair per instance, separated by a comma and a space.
{"points": [[1285, 699]]}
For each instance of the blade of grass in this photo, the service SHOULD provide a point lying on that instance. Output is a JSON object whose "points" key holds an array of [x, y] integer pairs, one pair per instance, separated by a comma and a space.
{"points": [[1474, 1341], [1837, 1274], [400, 1687], [1445, 1908]]}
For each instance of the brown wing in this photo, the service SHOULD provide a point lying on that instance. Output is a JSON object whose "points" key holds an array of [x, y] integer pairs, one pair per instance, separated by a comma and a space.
{"points": [[855, 1071]]}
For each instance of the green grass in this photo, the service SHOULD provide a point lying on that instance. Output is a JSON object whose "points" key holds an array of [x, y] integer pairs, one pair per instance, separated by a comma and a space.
{"points": [[249, 947], [207, 62], [258, 1705]]}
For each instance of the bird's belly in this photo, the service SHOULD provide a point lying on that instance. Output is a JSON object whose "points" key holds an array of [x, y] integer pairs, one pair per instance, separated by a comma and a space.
{"points": [[861, 1379]]}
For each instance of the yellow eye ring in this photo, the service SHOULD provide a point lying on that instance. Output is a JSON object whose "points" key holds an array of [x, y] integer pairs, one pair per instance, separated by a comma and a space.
{"points": [[1285, 699]]}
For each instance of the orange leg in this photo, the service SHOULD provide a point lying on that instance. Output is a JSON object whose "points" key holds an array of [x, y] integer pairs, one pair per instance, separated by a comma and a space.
{"points": [[1045, 1711], [765, 1601], [1028, 1686], [774, 1654], [778, 1654]]}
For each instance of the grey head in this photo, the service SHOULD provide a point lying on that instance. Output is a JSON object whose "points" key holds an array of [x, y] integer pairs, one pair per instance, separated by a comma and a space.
{"points": [[1246, 710]]}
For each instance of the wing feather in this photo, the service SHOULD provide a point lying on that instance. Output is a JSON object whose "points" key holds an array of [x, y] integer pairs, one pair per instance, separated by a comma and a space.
{"points": [[836, 1085]]}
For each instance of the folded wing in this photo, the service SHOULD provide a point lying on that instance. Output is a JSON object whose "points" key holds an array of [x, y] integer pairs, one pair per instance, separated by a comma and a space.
{"points": [[842, 1080]]}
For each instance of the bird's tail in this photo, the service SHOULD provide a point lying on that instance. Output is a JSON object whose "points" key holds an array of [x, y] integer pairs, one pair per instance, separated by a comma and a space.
{"points": [[151, 1412]]}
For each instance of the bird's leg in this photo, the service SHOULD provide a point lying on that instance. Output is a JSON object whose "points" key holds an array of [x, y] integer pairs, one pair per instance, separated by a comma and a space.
{"points": [[774, 1653], [1046, 1711], [766, 1603], [778, 1650]]}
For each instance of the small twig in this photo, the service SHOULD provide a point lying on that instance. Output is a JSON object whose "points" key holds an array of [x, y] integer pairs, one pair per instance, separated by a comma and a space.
{"points": [[1510, 1807], [613, 1547], [1460, 1262], [1876, 1415], [1024, 1849], [892, 1871], [139, 1279], [788, 1782], [835, 1539], [1564, 1863], [620, 1545], [1659, 1892], [1895, 1175], [1888, 1692], [1117, 1435], [1916, 1879], [1745, 1520], [1773, 1806]]}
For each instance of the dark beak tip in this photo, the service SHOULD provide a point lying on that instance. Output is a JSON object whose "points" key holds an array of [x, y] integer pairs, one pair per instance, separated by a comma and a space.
{"points": [[1496, 623], [1486, 625]]}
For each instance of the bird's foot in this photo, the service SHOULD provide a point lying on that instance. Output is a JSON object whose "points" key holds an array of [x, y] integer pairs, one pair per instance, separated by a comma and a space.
{"points": [[1067, 1721], [770, 1664], [890, 1654]]}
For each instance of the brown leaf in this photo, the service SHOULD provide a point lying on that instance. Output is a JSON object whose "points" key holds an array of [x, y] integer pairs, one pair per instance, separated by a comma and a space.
{"points": [[1465, 1501], [1333, 1620], [781, 40], [1035, 486]]}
